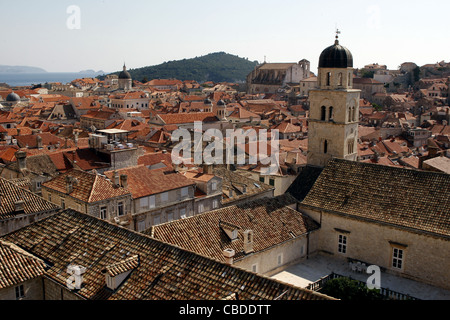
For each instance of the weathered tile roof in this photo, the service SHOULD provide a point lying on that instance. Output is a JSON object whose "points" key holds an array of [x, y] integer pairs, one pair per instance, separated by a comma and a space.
{"points": [[90, 188], [11, 193], [143, 182], [164, 271], [270, 219], [17, 266], [412, 199], [304, 182]]}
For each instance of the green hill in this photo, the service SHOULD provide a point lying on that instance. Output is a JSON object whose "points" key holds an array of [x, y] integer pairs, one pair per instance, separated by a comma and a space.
{"points": [[216, 67]]}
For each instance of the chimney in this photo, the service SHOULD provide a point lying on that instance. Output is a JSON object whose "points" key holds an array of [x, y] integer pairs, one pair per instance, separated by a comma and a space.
{"points": [[19, 207], [229, 256], [207, 169], [39, 142], [21, 157], [244, 189], [124, 181], [69, 184], [248, 241], [116, 179]]}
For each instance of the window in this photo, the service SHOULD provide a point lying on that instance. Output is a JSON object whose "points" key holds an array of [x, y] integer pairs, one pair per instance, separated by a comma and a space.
{"points": [[324, 113], [349, 114], [215, 204], [49, 197], [20, 292], [103, 211], [342, 244], [262, 179], [350, 147], [164, 197], [397, 258], [184, 192], [214, 186], [331, 114], [38, 185], [63, 203], [325, 146], [280, 259], [353, 114], [183, 213], [152, 202], [157, 220], [255, 268], [144, 203], [170, 217], [328, 78], [141, 226], [340, 77], [120, 209], [272, 182], [200, 208]]}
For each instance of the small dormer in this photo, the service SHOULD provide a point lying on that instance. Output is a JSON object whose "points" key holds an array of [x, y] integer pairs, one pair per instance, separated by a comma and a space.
{"points": [[231, 230], [117, 273]]}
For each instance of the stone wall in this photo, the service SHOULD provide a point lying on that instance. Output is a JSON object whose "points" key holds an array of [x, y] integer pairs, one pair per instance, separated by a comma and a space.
{"points": [[425, 257], [32, 289]]}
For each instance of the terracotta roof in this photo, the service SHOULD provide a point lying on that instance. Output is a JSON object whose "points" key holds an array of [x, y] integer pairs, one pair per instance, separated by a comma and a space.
{"points": [[164, 271], [18, 266], [11, 193], [90, 187], [180, 118], [384, 194], [143, 182], [271, 221]]}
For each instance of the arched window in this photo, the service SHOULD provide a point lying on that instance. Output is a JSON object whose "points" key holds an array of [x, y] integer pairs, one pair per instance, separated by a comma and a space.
{"points": [[328, 78], [353, 114], [349, 114], [340, 80], [331, 114], [324, 113], [349, 79], [325, 146], [351, 147]]}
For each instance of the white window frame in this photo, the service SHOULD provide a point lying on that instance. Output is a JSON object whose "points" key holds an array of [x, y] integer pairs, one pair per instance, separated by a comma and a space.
{"points": [[119, 205], [215, 204], [342, 243], [398, 257], [103, 212]]}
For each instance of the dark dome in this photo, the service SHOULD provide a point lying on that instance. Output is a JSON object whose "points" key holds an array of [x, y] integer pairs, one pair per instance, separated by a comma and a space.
{"points": [[125, 75], [336, 56], [221, 103], [207, 101], [13, 97]]}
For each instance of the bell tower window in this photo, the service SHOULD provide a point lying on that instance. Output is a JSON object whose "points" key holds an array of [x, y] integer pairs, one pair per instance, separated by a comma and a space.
{"points": [[340, 79], [325, 147], [331, 114], [324, 113]]}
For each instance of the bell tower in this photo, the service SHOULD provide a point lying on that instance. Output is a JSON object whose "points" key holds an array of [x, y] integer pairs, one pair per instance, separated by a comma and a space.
{"points": [[334, 109]]}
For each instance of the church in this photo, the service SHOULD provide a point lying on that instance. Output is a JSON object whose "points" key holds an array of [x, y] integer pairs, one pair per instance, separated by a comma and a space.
{"points": [[395, 218]]}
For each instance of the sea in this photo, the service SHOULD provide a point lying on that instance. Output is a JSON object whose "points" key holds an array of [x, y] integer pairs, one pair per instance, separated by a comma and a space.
{"points": [[29, 79]]}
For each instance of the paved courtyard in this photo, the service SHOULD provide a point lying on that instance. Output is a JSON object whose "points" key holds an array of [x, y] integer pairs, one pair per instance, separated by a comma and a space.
{"points": [[319, 266]]}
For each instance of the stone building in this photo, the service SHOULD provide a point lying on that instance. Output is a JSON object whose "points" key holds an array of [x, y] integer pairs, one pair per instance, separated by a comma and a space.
{"points": [[395, 218], [269, 77], [261, 236], [125, 81], [91, 194], [20, 207], [334, 109]]}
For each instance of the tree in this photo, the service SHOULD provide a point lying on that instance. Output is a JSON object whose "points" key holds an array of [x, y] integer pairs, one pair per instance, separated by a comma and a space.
{"points": [[350, 290]]}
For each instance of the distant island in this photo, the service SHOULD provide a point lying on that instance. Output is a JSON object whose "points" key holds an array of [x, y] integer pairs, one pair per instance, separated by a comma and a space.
{"points": [[93, 72], [216, 67], [20, 69]]}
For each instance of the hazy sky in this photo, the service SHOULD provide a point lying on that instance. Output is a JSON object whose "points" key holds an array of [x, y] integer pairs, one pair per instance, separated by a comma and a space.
{"points": [[145, 32]]}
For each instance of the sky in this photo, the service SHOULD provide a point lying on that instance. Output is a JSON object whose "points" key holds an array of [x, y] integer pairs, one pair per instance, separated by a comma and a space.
{"points": [[75, 35]]}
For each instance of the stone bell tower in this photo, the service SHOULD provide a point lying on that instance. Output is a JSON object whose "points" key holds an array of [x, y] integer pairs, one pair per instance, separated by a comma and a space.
{"points": [[334, 109]]}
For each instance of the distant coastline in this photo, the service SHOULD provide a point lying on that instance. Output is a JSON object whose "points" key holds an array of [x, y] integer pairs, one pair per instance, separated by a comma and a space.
{"points": [[29, 79]]}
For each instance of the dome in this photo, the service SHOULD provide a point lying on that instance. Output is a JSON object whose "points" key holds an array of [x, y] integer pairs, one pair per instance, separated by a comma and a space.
{"points": [[207, 101], [336, 56], [221, 103], [13, 97], [124, 74]]}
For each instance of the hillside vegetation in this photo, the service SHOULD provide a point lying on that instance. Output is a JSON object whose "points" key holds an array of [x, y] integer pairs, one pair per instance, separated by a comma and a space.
{"points": [[216, 67]]}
